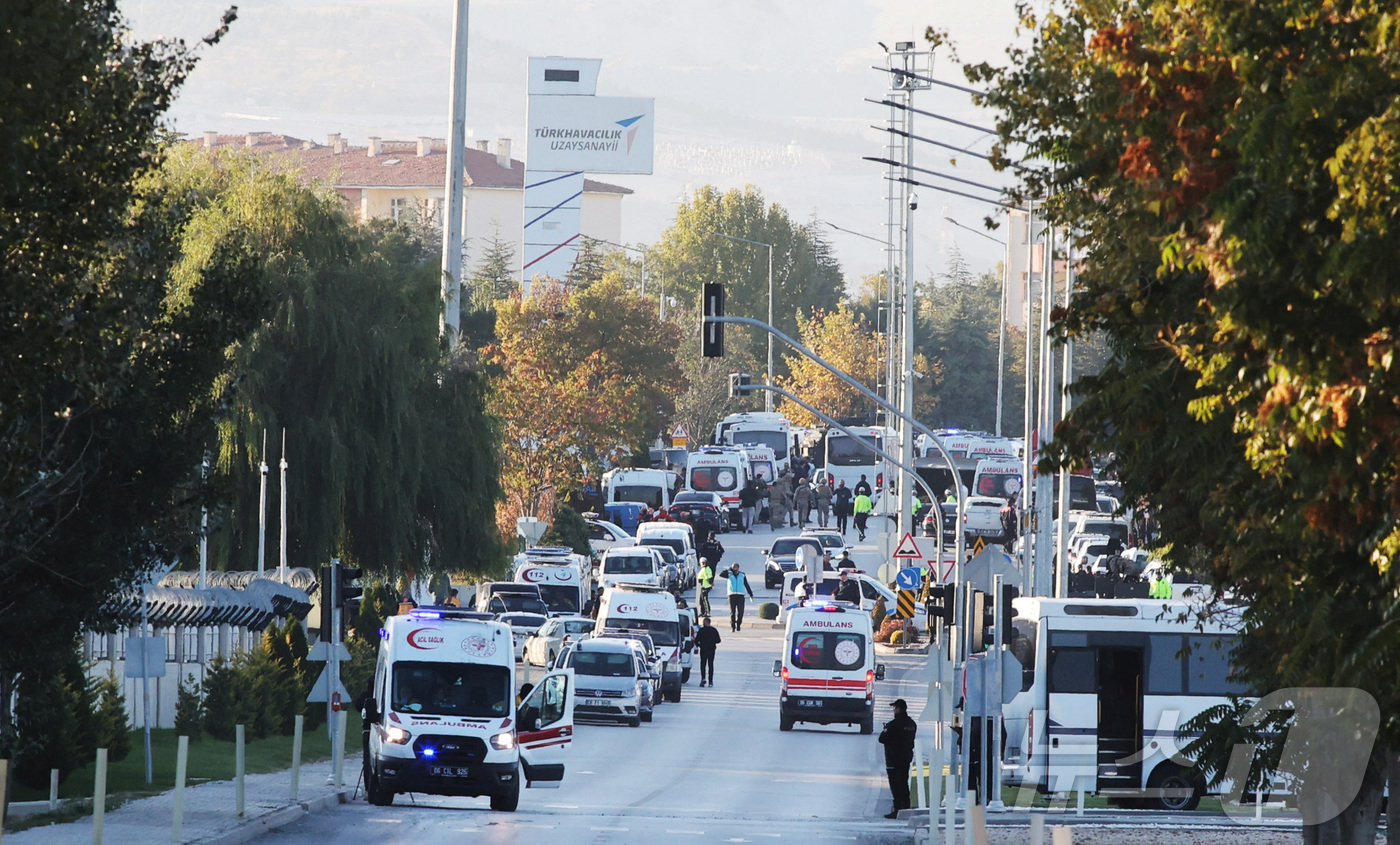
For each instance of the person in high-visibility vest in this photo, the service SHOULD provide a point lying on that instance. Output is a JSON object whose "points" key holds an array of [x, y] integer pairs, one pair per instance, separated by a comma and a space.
{"points": [[706, 578], [862, 506]]}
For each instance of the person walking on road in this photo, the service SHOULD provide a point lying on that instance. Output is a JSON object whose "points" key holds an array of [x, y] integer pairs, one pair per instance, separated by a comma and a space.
{"points": [[706, 639], [841, 506], [738, 584], [711, 549], [862, 507], [779, 497], [862, 486], [748, 500], [802, 500], [821, 497], [706, 579], [898, 738]]}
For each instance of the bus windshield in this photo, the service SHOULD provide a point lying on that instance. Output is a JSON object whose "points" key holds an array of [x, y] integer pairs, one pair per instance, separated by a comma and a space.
{"points": [[846, 451], [776, 440]]}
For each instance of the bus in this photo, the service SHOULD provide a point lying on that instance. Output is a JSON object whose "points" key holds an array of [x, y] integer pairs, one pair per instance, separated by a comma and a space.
{"points": [[847, 459], [765, 429], [1106, 685]]}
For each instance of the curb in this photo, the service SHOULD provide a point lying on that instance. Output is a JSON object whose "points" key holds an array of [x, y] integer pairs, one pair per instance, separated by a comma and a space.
{"points": [[253, 828]]}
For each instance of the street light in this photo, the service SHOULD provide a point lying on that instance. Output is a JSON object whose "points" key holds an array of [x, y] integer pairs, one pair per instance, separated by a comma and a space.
{"points": [[767, 397], [972, 230]]}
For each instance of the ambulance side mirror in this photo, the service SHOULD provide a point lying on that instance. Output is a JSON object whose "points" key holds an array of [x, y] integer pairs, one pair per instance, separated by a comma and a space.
{"points": [[777, 667], [879, 671]]}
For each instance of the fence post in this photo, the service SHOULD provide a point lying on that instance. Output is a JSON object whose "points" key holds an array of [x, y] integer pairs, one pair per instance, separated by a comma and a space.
{"points": [[238, 769], [53, 790], [296, 756], [969, 807], [1037, 829], [950, 794], [182, 758], [99, 797], [1061, 835]]}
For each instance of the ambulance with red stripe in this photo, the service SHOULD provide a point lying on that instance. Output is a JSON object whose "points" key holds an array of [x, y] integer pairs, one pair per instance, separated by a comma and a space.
{"points": [[828, 668], [442, 717]]}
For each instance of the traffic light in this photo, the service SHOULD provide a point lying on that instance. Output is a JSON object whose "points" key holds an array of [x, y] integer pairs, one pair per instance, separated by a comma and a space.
{"points": [[981, 619], [327, 598], [1005, 612], [712, 334], [940, 603], [348, 593], [740, 384]]}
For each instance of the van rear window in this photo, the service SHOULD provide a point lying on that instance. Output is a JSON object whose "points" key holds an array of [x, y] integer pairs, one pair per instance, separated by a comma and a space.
{"points": [[629, 566], [827, 650]]}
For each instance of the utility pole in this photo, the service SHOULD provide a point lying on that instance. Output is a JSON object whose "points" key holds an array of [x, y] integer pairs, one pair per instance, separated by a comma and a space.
{"points": [[450, 323], [262, 507], [1025, 511]]}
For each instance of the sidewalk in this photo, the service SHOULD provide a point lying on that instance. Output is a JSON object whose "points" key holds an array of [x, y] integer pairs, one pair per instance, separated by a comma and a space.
{"points": [[209, 811]]}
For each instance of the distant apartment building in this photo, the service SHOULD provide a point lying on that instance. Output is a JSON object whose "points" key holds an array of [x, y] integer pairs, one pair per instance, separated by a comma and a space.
{"points": [[391, 179]]}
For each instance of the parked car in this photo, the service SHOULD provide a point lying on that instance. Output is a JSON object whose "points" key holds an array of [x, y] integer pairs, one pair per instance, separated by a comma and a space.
{"points": [[522, 627], [782, 558], [706, 519], [544, 646], [831, 541], [603, 535]]}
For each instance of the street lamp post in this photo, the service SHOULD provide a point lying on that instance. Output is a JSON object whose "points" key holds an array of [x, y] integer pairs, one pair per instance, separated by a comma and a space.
{"points": [[767, 396]]}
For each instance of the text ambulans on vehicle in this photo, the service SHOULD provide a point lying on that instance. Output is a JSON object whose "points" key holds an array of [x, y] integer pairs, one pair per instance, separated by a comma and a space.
{"points": [[442, 714], [828, 667]]}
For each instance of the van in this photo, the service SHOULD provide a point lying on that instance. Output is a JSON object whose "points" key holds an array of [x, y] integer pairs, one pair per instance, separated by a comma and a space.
{"points": [[997, 477], [722, 470], [679, 536], [442, 717], [651, 487], [497, 597], [630, 565], [563, 585], [828, 667], [871, 592], [610, 678], [631, 609]]}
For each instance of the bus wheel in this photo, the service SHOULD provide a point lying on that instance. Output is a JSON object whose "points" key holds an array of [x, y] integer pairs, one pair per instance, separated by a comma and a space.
{"points": [[1173, 788]]}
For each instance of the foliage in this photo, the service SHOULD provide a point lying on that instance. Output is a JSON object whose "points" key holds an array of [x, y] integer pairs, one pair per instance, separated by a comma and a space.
{"points": [[1229, 172], [495, 277], [189, 710], [110, 724], [109, 360], [588, 267], [391, 454], [54, 721], [583, 376], [252, 690], [567, 528], [806, 277], [848, 343], [958, 326]]}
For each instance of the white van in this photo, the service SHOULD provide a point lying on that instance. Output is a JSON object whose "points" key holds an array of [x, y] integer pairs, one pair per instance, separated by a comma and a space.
{"points": [[871, 592], [997, 477], [442, 715], [828, 668], [628, 608], [651, 487], [630, 565], [679, 536], [722, 470], [562, 585]]}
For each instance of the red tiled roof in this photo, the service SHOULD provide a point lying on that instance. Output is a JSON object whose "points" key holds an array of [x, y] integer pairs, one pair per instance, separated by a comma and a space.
{"points": [[397, 165]]}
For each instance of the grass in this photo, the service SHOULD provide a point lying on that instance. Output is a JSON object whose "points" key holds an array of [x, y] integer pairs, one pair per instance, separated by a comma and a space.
{"points": [[209, 759], [1209, 805]]}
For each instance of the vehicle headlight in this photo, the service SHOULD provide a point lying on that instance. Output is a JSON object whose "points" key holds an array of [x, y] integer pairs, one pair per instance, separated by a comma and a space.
{"points": [[397, 735], [503, 741]]}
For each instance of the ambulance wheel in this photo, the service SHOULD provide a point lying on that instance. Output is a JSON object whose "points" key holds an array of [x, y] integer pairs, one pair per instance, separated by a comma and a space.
{"points": [[375, 793], [507, 801], [867, 725], [784, 722], [685, 676], [634, 722]]}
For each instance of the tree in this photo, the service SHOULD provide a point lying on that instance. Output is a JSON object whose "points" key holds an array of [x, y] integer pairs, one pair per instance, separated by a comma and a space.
{"points": [[1229, 172], [806, 276], [111, 352], [848, 343], [584, 376], [958, 324], [589, 265], [495, 277]]}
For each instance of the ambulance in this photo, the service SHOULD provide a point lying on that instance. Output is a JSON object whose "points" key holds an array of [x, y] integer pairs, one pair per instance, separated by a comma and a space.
{"points": [[648, 610], [563, 584], [442, 717], [828, 668]]}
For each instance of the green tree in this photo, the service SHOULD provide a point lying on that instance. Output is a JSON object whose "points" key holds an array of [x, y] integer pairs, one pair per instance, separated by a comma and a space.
{"points": [[958, 327], [1229, 171], [495, 277], [705, 400], [806, 276], [567, 528], [589, 265], [110, 361]]}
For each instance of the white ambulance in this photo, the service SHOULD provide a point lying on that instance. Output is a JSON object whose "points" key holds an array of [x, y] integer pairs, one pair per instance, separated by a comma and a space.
{"points": [[719, 469], [563, 584], [442, 715], [630, 607], [828, 668]]}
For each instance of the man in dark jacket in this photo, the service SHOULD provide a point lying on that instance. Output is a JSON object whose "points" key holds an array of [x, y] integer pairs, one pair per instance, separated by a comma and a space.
{"points": [[748, 500], [863, 486], [898, 738], [841, 505], [711, 550], [847, 590], [706, 639]]}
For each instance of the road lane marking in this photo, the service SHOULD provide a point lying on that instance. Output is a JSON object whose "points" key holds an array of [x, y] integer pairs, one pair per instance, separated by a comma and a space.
{"points": [[687, 832], [563, 806], [612, 829]]}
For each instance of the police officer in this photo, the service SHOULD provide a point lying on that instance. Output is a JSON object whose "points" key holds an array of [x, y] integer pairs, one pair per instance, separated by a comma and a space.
{"points": [[898, 738]]}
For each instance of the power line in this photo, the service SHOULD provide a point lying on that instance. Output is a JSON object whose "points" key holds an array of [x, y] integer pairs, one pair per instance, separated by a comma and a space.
{"points": [[953, 121], [909, 73], [934, 173], [909, 181]]}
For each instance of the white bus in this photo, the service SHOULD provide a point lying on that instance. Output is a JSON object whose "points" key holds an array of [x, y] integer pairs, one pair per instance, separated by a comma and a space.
{"points": [[847, 459], [766, 429], [1106, 685]]}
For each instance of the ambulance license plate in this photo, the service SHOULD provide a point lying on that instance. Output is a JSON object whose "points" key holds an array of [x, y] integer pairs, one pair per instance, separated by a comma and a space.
{"points": [[809, 702], [448, 771], [596, 702]]}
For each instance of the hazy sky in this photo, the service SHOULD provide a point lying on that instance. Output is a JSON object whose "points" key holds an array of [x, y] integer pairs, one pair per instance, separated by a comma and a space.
{"points": [[762, 92]]}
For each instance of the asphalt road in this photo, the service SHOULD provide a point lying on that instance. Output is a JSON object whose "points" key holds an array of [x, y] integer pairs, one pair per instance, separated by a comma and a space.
{"points": [[711, 768]]}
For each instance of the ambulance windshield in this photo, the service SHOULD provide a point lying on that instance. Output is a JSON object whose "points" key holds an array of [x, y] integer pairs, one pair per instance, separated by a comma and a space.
{"points": [[474, 690]]}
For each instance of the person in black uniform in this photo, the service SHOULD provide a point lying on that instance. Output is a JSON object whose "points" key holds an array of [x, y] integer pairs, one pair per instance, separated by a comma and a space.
{"points": [[847, 590], [863, 487], [707, 639], [898, 738]]}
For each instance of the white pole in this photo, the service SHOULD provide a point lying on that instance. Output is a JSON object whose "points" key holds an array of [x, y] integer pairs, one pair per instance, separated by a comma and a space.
{"points": [[182, 756], [906, 365], [950, 803], [238, 766], [53, 788], [1066, 376], [146, 670], [282, 523], [341, 718], [1037, 829], [1062, 835], [99, 797], [296, 755], [1001, 327], [1044, 506], [456, 178], [1028, 461], [204, 533], [935, 790], [768, 397], [262, 506], [970, 808]]}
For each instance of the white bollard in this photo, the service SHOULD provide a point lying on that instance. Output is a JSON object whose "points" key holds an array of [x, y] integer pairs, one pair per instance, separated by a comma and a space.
{"points": [[970, 805], [935, 792], [296, 756], [99, 797], [53, 790], [238, 769], [525, 670], [339, 757], [950, 794], [1037, 829], [1079, 805], [4, 790], [1061, 835], [977, 823], [182, 759], [1259, 804]]}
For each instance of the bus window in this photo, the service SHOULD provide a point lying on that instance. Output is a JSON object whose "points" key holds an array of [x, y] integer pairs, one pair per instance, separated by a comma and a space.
{"points": [[1163, 675], [851, 452], [1071, 670], [1209, 668]]}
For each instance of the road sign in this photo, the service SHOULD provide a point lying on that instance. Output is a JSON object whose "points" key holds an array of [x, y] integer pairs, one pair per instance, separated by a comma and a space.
{"points": [[908, 579], [321, 691], [908, 548], [145, 657], [978, 546], [679, 436], [886, 573], [904, 604], [320, 650]]}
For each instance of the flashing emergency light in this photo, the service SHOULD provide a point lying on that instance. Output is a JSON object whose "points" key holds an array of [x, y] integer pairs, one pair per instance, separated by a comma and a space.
{"points": [[429, 752], [425, 614]]}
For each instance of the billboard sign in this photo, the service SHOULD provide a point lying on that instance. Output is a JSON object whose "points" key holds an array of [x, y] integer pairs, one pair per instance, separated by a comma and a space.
{"points": [[591, 134]]}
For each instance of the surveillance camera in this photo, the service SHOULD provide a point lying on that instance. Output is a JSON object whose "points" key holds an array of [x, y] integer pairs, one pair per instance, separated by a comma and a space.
{"points": [[913, 202]]}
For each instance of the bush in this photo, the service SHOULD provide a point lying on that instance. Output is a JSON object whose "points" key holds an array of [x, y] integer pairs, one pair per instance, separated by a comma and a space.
{"points": [[48, 723], [896, 637], [252, 690], [878, 613], [110, 719], [189, 710], [568, 528], [768, 610], [887, 629]]}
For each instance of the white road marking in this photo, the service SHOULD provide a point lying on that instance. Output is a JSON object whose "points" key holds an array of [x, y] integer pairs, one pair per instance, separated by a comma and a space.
{"points": [[687, 832], [613, 829]]}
